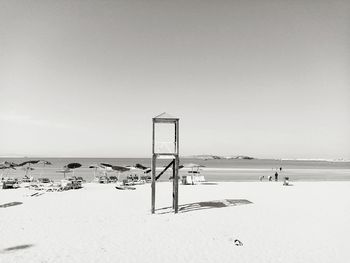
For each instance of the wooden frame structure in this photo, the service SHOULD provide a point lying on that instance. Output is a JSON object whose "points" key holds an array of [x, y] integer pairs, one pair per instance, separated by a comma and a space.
{"points": [[172, 154]]}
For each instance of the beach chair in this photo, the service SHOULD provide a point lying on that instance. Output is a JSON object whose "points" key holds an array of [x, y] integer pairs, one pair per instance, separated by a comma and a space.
{"points": [[103, 180], [66, 185], [10, 183], [201, 178], [187, 179]]}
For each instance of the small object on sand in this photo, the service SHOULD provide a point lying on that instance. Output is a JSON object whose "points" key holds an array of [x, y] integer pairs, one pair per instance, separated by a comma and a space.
{"points": [[238, 242], [286, 181], [37, 194], [125, 188]]}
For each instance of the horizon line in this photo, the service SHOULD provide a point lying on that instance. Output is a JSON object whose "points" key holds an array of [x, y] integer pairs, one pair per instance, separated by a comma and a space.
{"points": [[195, 156]]}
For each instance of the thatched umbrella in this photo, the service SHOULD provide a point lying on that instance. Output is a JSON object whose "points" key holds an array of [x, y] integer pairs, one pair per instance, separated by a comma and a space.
{"points": [[120, 169], [30, 162], [145, 169], [73, 166], [10, 164], [27, 166], [106, 165]]}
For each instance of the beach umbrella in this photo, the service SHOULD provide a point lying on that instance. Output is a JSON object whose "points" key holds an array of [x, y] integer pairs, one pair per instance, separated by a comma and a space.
{"points": [[73, 166], [140, 166], [106, 168], [10, 164], [29, 162], [7, 165], [120, 169], [145, 169], [106, 164]]}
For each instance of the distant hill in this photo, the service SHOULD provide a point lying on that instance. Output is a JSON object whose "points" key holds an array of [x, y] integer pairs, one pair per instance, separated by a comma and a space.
{"points": [[216, 157]]}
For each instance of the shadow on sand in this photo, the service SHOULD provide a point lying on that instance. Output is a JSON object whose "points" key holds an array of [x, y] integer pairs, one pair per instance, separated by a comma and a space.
{"points": [[10, 249], [208, 183], [205, 205], [10, 204]]}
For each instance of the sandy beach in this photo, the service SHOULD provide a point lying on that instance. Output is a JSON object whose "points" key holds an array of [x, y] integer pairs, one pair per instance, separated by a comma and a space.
{"points": [[238, 112], [306, 222]]}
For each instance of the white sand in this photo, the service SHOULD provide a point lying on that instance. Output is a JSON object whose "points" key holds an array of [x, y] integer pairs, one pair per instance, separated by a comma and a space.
{"points": [[307, 222]]}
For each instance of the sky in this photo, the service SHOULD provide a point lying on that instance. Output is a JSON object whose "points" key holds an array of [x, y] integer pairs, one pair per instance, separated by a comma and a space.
{"points": [[264, 78]]}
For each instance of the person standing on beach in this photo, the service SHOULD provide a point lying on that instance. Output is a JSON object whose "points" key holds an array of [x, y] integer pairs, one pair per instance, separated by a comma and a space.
{"points": [[276, 176]]}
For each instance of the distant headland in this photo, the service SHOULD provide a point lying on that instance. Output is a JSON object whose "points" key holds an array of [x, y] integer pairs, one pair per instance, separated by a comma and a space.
{"points": [[217, 157]]}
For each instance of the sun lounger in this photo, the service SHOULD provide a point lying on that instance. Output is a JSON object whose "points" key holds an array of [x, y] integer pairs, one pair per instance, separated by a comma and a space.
{"points": [[10, 183], [201, 178]]}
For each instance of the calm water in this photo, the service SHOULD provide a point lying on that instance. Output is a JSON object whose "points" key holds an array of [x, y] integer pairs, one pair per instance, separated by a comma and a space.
{"points": [[214, 170]]}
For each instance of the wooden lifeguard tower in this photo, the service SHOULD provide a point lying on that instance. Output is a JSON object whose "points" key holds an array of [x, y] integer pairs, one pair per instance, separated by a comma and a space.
{"points": [[168, 149]]}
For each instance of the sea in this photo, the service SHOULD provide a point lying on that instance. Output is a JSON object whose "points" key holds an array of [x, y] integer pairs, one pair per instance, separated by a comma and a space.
{"points": [[214, 170]]}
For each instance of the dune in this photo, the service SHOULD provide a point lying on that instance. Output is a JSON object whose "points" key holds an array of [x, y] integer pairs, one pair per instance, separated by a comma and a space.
{"points": [[306, 222]]}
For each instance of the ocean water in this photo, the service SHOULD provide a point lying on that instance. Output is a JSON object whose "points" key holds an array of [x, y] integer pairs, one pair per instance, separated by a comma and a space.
{"points": [[214, 170]]}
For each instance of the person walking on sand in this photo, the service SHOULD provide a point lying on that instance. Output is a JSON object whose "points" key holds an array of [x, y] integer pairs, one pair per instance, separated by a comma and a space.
{"points": [[276, 176]]}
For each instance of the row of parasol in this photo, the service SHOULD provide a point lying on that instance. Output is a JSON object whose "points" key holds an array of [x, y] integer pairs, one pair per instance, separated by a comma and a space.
{"points": [[26, 166], [106, 167]]}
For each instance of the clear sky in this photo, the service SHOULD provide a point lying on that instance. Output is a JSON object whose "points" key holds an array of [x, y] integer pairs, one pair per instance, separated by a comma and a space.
{"points": [[260, 78]]}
